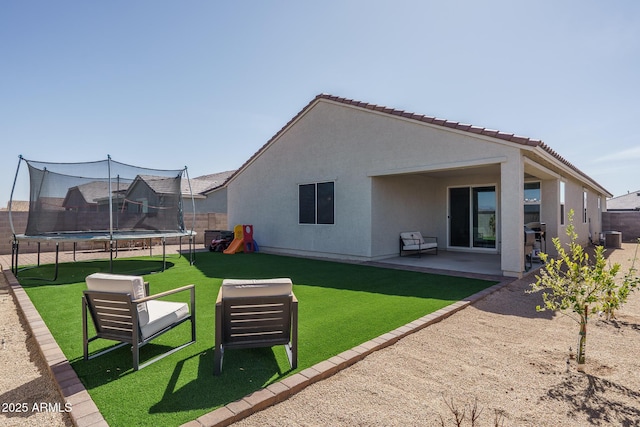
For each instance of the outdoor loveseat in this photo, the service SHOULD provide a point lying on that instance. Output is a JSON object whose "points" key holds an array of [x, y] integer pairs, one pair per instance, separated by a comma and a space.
{"points": [[414, 242], [256, 313], [122, 310]]}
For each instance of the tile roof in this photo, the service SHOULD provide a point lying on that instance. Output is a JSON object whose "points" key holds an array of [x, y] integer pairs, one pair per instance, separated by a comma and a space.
{"points": [[92, 191], [198, 185], [17, 206], [159, 184], [207, 183], [510, 137], [434, 120]]}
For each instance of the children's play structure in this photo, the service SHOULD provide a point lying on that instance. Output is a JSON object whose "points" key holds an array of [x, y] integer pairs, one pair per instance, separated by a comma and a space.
{"points": [[242, 240]]}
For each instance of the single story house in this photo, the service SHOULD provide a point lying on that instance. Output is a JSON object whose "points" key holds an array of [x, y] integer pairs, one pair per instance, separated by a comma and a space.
{"points": [[342, 179], [84, 197]]}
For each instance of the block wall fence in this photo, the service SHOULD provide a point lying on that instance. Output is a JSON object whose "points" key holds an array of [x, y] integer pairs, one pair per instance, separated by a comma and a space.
{"points": [[628, 223], [203, 221]]}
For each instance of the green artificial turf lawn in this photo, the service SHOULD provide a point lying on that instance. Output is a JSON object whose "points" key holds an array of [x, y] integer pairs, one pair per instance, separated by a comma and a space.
{"points": [[340, 306]]}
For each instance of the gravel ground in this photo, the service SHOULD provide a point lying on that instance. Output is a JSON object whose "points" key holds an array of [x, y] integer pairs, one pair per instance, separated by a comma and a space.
{"points": [[501, 355], [28, 395]]}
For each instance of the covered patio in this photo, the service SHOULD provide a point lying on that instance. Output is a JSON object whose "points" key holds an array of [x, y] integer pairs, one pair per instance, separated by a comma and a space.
{"points": [[476, 209]]}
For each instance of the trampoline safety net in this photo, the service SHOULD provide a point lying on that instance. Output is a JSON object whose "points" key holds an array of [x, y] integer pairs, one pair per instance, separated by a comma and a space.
{"points": [[104, 198]]}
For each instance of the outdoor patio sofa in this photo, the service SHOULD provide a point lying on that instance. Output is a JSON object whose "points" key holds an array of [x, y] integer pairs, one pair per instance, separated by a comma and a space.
{"points": [[415, 243], [256, 313], [122, 310]]}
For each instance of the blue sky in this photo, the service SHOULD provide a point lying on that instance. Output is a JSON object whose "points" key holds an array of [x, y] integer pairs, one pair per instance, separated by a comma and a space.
{"points": [[204, 84]]}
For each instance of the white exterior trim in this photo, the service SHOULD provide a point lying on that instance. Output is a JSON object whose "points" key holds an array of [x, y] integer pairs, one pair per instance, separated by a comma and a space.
{"points": [[440, 167]]}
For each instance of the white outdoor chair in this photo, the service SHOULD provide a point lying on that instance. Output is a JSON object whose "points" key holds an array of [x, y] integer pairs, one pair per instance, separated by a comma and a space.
{"points": [[413, 241], [122, 310]]}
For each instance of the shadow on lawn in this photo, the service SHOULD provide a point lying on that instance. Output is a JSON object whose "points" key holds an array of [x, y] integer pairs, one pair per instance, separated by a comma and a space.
{"points": [[244, 372], [75, 272], [601, 400], [116, 364]]}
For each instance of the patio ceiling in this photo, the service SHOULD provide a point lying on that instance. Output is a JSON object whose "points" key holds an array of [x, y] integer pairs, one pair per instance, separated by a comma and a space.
{"points": [[445, 170], [468, 171]]}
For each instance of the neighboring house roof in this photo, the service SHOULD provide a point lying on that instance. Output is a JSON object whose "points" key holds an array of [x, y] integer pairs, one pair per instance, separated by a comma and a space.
{"points": [[198, 187], [18, 206], [207, 183], [525, 141], [90, 192], [159, 184], [627, 202]]}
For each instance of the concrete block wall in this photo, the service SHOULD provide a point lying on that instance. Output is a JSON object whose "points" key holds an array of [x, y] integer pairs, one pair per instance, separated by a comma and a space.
{"points": [[628, 223], [203, 221], [6, 236]]}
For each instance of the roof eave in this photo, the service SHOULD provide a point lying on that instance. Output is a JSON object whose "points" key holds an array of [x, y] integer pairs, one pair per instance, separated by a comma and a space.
{"points": [[502, 136]]}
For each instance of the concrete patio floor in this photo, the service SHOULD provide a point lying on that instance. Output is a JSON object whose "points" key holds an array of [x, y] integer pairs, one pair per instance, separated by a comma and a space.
{"points": [[456, 263]]}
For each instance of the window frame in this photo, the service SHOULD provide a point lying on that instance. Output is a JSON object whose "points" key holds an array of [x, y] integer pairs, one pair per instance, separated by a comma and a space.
{"points": [[534, 202], [322, 203], [562, 202], [584, 205]]}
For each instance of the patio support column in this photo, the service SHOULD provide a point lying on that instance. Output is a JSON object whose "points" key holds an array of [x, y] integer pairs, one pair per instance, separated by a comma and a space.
{"points": [[512, 216], [550, 212]]}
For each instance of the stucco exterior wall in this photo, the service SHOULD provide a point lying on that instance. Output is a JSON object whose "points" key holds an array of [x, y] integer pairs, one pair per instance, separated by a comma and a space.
{"points": [[550, 209], [392, 174], [375, 161], [403, 203], [216, 201], [320, 148], [573, 201], [511, 228]]}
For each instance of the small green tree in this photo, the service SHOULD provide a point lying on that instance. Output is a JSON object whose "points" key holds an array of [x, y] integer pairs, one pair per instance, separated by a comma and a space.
{"points": [[578, 286]]}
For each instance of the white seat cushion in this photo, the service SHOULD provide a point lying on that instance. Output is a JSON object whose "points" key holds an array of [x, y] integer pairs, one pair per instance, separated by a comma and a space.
{"points": [[418, 247], [122, 284], [411, 238], [256, 287], [163, 314]]}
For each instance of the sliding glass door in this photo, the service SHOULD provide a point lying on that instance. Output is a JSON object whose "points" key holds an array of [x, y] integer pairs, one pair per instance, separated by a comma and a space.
{"points": [[472, 217], [459, 210], [484, 217]]}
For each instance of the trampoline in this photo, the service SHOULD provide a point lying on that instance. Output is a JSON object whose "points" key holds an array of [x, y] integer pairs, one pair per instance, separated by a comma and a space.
{"points": [[103, 201]]}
